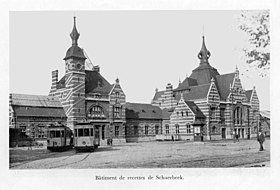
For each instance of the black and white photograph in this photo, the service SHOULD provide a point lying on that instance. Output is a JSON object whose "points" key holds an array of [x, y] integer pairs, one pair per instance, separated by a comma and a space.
{"points": [[139, 96]]}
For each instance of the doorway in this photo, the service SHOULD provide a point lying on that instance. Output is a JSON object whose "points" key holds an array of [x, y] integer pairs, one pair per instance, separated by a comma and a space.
{"points": [[223, 133]]}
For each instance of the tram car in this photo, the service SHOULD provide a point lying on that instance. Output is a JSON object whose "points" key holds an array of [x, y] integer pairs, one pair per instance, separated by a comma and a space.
{"points": [[60, 138], [86, 137]]}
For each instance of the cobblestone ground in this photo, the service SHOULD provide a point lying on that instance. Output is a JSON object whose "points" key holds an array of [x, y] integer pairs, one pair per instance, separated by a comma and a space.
{"points": [[166, 154]]}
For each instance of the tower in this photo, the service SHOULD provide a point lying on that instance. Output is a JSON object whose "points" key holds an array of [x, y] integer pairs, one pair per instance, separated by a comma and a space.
{"points": [[204, 72], [74, 93]]}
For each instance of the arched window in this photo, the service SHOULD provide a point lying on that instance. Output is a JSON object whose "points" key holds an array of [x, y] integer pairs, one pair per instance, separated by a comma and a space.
{"points": [[214, 129], [96, 112]]}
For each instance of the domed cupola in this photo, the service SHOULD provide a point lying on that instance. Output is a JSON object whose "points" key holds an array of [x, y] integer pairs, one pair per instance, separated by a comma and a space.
{"points": [[75, 51]]}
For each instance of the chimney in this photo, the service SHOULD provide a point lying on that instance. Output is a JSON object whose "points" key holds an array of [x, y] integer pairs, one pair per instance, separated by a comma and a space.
{"points": [[96, 68], [10, 99], [169, 86], [54, 81]]}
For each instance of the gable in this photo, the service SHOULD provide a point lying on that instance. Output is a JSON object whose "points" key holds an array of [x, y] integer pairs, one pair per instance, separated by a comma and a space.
{"points": [[223, 84], [96, 83], [213, 94]]}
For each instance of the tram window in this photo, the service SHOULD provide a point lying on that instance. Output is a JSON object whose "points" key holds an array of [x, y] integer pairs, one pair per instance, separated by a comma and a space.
{"points": [[86, 132], [75, 132], [80, 132], [57, 133], [62, 133], [91, 131], [52, 134]]}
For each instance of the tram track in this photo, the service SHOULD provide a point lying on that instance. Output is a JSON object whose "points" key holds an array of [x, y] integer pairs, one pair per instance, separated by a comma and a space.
{"points": [[84, 158]]}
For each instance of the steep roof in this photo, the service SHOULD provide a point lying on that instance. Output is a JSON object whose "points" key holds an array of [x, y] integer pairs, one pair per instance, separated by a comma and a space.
{"points": [[61, 83], [223, 82], [166, 113], [204, 73], [158, 94], [249, 94], [142, 111], [39, 111], [195, 109], [186, 84], [95, 82], [195, 92], [35, 100]]}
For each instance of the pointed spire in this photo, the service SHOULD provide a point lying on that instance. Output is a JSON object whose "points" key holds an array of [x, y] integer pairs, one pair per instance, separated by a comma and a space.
{"points": [[74, 34], [204, 54], [237, 72]]}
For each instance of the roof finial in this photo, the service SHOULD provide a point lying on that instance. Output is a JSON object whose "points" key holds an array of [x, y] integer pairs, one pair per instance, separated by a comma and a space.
{"points": [[74, 34], [204, 54], [203, 30]]}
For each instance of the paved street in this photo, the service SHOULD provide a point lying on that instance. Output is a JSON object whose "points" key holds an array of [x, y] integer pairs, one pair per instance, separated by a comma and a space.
{"points": [[166, 154]]}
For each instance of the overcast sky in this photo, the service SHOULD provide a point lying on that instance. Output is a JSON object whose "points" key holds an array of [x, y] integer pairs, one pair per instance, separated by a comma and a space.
{"points": [[144, 49]]}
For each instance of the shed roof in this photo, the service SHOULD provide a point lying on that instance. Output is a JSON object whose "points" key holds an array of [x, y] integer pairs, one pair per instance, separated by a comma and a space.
{"points": [[28, 111], [35, 100]]}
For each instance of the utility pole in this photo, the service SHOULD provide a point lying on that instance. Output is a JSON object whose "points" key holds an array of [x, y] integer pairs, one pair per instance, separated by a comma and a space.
{"points": [[232, 113]]}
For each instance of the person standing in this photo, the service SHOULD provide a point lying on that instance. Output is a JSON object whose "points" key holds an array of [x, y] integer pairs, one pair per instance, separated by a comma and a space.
{"points": [[261, 139]]}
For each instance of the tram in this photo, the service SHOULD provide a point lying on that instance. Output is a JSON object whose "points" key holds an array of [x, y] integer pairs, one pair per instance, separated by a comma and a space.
{"points": [[60, 138], [86, 137]]}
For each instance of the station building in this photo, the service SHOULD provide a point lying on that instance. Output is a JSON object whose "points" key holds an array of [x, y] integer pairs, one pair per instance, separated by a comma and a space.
{"points": [[205, 106], [208, 105]]}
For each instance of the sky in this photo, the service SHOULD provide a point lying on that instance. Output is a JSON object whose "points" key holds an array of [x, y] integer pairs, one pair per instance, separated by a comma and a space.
{"points": [[144, 49]]}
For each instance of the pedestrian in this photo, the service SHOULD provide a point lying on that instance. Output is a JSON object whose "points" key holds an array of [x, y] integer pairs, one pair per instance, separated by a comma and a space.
{"points": [[30, 145], [261, 139], [172, 137], [237, 136]]}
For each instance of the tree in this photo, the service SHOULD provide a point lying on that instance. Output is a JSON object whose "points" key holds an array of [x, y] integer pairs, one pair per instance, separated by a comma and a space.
{"points": [[256, 25]]}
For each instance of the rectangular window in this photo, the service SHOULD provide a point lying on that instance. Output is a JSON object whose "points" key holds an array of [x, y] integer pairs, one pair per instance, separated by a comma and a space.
{"points": [[135, 130], [213, 113], [80, 133], [91, 132], [62, 133], [146, 130], [156, 129], [117, 131], [86, 132], [52, 134], [177, 129], [57, 133], [188, 128], [167, 129]]}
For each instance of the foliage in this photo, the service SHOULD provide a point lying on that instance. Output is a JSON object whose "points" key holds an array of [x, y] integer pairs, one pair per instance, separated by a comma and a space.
{"points": [[256, 25]]}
